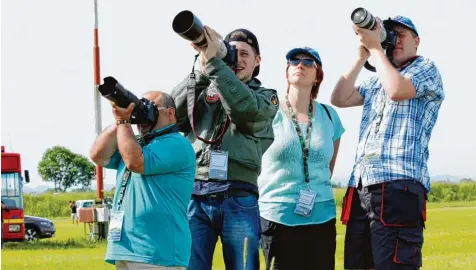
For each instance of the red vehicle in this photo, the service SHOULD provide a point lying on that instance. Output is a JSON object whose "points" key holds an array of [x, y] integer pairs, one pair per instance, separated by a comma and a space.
{"points": [[13, 224]]}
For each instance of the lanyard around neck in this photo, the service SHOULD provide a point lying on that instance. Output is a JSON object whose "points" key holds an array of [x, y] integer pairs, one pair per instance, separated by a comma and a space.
{"points": [[304, 144], [122, 191]]}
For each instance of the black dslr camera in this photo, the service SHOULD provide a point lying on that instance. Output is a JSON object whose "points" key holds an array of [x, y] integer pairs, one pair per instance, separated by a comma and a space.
{"points": [[145, 111], [189, 27], [364, 19]]}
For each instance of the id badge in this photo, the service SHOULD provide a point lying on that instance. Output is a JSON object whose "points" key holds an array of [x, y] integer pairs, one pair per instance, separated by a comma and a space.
{"points": [[305, 202], [218, 165], [115, 226]]}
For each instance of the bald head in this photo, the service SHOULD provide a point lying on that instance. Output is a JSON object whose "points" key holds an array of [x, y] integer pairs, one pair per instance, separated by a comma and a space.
{"points": [[161, 99], [166, 106]]}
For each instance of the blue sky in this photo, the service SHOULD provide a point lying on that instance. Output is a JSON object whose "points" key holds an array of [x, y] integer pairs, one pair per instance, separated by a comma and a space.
{"points": [[47, 64]]}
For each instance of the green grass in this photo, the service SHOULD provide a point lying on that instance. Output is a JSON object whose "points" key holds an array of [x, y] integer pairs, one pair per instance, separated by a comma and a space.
{"points": [[450, 241], [56, 205]]}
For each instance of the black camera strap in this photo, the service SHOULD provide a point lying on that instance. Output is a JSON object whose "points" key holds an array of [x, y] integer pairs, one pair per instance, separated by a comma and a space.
{"points": [[149, 136], [388, 53], [125, 180], [191, 99]]}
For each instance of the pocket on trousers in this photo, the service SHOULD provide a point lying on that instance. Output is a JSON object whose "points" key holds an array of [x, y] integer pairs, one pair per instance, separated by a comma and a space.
{"points": [[245, 203], [408, 247], [396, 204], [347, 205]]}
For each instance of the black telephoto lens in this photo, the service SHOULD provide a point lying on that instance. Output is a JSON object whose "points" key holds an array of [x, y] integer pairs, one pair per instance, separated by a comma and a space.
{"points": [[115, 92], [188, 26]]}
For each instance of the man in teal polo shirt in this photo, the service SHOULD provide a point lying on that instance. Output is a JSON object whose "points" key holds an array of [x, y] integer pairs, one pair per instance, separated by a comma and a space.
{"points": [[155, 174]]}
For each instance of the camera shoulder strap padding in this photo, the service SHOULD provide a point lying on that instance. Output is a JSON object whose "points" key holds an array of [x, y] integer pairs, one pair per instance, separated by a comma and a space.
{"points": [[191, 99], [148, 137]]}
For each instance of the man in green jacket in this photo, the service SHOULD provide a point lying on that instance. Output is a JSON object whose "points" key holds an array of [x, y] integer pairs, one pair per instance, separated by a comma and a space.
{"points": [[228, 118]]}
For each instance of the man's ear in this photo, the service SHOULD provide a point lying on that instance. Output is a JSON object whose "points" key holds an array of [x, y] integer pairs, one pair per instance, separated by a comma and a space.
{"points": [[417, 42], [171, 113], [258, 60]]}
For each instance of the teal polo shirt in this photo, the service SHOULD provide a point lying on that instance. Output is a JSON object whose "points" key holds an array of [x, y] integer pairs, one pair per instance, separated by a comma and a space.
{"points": [[155, 228]]}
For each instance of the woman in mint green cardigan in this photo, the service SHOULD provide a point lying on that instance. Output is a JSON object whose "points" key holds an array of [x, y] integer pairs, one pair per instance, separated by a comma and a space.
{"points": [[297, 207]]}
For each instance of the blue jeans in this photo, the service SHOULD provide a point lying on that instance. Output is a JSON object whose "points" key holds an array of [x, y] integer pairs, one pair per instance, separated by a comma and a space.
{"points": [[233, 219]]}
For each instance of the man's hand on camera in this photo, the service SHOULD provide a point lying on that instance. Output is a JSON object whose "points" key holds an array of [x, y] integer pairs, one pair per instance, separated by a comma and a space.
{"points": [[212, 45], [121, 113], [363, 53], [370, 39]]}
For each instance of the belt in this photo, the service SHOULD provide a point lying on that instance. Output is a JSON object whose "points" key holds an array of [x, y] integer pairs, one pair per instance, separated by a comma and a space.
{"points": [[226, 194]]}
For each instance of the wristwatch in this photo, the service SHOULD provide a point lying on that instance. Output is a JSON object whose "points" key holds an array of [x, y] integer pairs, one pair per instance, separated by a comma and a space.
{"points": [[118, 122]]}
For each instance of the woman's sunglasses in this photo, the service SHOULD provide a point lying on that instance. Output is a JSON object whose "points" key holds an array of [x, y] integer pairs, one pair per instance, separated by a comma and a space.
{"points": [[305, 62]]}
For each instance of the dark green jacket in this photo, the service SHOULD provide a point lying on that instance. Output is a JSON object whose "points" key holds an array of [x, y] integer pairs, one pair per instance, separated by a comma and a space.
{"points": [[250, 107]]}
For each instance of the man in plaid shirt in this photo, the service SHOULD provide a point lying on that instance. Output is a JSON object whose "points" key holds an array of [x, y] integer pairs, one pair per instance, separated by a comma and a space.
{"points": [[384, 206]]}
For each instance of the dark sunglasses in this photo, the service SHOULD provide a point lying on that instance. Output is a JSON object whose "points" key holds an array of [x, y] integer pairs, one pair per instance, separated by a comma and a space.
{"points": [[305, 62]]}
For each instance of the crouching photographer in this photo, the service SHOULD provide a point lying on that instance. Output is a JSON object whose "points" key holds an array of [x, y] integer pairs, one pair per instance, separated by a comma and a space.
{"points": [[155, 174], [227, 115], [384, 207]]}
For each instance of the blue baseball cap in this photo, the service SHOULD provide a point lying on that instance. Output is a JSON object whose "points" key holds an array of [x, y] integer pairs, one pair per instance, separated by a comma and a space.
{"points": [[306, 50], [403, 21]]}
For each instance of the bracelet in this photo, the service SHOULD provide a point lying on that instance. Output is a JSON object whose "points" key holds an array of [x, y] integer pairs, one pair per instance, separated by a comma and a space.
{"points": [[118, 122]]}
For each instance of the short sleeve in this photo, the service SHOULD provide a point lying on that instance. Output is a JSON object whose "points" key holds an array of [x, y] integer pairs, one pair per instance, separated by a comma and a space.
{"points": [[363, 87], [168, 154], [338, 127], [114, 161], [426, 79]]}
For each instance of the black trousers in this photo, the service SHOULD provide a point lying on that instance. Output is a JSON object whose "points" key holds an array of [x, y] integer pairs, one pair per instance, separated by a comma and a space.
{"points": [[299, 247], [384, 226]]}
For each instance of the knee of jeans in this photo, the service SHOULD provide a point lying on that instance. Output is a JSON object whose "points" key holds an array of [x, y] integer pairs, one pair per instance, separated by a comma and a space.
{"points": [[240, 238]]}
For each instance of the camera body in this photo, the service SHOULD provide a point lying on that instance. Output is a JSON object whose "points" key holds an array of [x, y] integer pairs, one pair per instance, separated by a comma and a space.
{"points": [[189, 27], [145, 111]]}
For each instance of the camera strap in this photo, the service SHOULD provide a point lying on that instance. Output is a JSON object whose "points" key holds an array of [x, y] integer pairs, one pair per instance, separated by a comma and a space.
{"points": [[388, 53], [144, 140], [191, 99], [408, 62]]}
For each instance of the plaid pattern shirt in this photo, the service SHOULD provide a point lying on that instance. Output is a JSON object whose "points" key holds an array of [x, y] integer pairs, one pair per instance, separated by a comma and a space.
{"points": [[394, 136]]}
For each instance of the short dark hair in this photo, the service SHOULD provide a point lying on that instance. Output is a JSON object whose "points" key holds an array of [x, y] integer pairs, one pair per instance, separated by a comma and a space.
{"points": [[168, 101]]}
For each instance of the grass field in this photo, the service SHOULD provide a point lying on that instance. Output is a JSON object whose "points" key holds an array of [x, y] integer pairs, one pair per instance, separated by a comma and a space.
{"points": [[57, 205], [450, 243]]}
